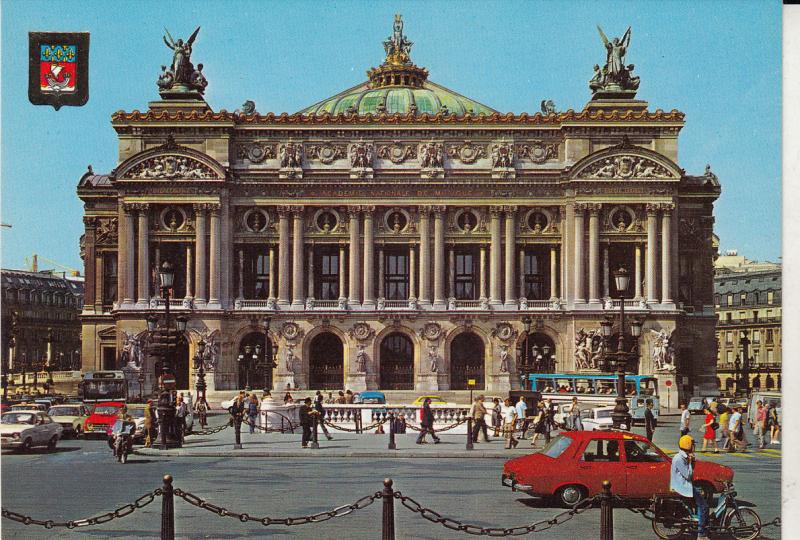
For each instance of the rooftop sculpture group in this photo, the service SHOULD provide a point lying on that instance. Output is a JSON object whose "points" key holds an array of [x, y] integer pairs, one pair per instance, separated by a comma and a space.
{"points": [[614, 79], [181, 80]]}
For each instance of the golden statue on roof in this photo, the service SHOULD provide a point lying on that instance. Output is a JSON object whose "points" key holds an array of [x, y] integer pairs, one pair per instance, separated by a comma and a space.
{"points": [[398, 48]]}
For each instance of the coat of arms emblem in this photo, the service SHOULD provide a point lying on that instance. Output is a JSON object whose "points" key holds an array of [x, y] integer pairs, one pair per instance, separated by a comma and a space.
{"points": [[58, 71]]}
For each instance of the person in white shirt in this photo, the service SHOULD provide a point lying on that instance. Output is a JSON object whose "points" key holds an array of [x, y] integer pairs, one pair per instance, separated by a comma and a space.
{"points": [[509, 415], [736, 431], [522, 413], [685, 417]]}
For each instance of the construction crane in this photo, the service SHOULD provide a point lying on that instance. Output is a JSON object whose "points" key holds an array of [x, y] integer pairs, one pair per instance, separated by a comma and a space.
{"points": [[33, 265]]}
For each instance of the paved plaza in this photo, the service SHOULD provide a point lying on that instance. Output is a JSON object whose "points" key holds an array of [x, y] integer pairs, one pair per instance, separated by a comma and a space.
{"points": [[81, 479]]}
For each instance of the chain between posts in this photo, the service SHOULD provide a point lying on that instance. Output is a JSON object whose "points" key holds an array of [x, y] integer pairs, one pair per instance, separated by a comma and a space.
{"points": [[439, 430], [122, 511], [319, 517], [477, 530], [351, 430], [211, 431]]}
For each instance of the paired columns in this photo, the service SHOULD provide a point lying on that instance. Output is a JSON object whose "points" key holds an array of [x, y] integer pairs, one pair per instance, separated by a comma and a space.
{"points": [[355, 254], [511, 243], [369, 255], [439, 299], [495, 255], [650, 277]]}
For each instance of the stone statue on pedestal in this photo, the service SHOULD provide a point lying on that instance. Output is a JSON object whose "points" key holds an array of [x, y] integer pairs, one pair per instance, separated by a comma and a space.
{"points": [[181, 79], [614, 80]]}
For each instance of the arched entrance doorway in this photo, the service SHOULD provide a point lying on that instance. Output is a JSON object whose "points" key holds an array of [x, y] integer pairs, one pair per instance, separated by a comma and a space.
{"points": [[467, 362], [255, 364], [397, 363], [537, 354], [326, 363]]}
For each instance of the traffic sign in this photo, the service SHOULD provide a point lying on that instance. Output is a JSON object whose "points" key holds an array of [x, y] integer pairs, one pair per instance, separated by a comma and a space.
{"points": [[471, 382], [668, 383]]}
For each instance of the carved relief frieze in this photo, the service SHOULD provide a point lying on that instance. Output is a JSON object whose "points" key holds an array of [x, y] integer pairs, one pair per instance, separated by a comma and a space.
{"points": [[361, 160], [170, 167], [361, 331], [626, 167], [326, 152], [397, 152], [106, 232], [291, 160], [537, 151], [467, 152], [255, 152]]}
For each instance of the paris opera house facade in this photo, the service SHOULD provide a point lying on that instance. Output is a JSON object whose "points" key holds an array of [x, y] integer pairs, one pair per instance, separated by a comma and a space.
{"points": [[398, 236]]}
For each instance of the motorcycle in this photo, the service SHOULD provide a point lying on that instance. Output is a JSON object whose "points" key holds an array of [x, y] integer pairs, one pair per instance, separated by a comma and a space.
{"points": [[121, 439], [674, 518]]}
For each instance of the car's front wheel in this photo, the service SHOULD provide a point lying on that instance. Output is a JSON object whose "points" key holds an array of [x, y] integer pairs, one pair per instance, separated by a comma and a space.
{"points": [[51, 444], [78, 433], [569, 496], [26, 445]]}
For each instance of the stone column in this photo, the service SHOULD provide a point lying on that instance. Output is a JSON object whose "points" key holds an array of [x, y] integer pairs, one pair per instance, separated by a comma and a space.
{"points": [[439, 299], [484, 294], [381, 272], [201, 264], [283, 256], [298, 298], [511, 246], [369, 256], [310, 258], [412, 272], [606, 272], [424, 255], [189, 273], [650, 277], [128, 292], [521, 278], [495, 256], [594, 253], [215, 259], [666, 253], [240, 287], [553, 273], [99, 268], [355, 255], [451, 272], [638, 274], [90, 288], [580, 296], [342, 273], [272, 270]]}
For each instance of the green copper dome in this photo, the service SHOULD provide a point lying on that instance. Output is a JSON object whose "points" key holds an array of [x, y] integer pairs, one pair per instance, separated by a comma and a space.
{"points": [[363, 99], [398, 86]]}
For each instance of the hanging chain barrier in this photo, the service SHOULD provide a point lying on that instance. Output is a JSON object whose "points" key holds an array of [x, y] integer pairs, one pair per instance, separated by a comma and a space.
{"points": [[120, 512], [478, 530], [355, 430], [649, 513], [438, 429], [387, 495], [289, 428], [319, 517], [211, 431]]}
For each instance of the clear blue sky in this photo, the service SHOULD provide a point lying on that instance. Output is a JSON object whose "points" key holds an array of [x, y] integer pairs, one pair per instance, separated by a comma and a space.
{"points": [[719, 62]]}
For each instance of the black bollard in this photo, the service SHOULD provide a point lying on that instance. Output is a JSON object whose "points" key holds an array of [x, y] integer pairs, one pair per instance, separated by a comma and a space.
{"points": [[388, 510], [167, 511], [606, 513], [237, 428], [392, 445], [469, 433], [314, 442]]}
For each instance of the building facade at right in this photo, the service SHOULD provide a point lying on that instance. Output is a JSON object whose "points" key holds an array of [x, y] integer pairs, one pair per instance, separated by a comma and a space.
{"points": [[747, 296]]}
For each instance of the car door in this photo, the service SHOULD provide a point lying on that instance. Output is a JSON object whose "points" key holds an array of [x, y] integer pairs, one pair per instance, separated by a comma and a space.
{"points": [[601, 461], [647, 470]]}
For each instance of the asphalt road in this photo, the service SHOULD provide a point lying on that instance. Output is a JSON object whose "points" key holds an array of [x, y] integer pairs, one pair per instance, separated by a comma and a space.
{"points": [[81, 480]]}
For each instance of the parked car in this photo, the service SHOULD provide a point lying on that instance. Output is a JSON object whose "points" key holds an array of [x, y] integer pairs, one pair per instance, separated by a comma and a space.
{"points": [[137, 412], [696, 404], [28, 407], [71, 418], [574, 464], [371, 398], [766, 398], [102, 416], [25, 429], [597, 418]]}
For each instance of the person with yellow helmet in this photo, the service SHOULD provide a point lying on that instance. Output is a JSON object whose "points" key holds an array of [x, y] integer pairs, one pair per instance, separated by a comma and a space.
{"points": [[681, 482]]}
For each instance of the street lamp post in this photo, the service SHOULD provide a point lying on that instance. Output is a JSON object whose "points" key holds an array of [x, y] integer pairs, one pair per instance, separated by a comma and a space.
{"points": [[199, 365], [12, 343], [621, 417], [744, 341], [525, 364], [141, 380]]}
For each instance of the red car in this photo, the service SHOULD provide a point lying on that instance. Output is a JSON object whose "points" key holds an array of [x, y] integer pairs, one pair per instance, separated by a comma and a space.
{"points": [[103, 416], [574, 464]]}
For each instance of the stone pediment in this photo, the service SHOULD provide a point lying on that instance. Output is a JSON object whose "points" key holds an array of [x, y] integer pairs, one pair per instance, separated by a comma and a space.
{"points": [[626, 162], [170, 162]]}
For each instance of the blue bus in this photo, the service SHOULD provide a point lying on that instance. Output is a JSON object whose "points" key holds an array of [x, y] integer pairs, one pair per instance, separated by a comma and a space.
{"points": [[596, 389]]}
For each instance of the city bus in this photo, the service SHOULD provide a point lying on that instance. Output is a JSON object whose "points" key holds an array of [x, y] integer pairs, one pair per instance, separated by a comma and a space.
{"points": [[596, 390], [99, 386]]}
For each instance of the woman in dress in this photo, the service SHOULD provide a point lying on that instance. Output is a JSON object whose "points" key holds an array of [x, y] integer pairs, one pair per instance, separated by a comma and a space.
{"points": [[710, 425], [497, 418], [540, 426]]}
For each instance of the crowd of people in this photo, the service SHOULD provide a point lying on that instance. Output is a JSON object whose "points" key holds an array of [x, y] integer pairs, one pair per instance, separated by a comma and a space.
{"points": [[723, 427]]}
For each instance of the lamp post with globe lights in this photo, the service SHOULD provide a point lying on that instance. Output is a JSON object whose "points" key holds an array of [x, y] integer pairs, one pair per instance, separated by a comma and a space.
{"points": [[621, 417]]}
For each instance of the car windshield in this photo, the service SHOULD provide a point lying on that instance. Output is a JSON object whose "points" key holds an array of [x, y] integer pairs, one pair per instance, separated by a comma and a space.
{"points": [[605, 414], [556, 446], [106, 409], [136, 412], [64, 411], [28, 407], [371, 400], [18, 418]]}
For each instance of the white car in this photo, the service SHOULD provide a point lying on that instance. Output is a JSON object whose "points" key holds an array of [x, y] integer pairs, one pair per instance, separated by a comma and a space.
{"points": [[22, 430], [597, 418], [71, 417]]}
